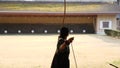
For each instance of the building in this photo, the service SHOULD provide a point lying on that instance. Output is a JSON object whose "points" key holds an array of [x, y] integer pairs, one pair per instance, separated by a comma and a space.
{"points": [[88, 20]]}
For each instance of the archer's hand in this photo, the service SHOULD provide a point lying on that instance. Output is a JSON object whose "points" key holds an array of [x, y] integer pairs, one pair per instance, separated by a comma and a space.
{"points": [[70, 39]]}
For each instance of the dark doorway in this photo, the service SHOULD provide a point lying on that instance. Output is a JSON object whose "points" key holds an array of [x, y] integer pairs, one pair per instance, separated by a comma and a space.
{"points": [[81, 28], [45, 28]]}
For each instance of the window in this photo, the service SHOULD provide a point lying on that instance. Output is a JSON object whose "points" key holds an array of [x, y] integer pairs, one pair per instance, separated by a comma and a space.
{"points": [[105, 24]]}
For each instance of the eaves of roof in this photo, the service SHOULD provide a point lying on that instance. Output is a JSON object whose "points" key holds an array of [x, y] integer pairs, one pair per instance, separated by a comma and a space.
{"points": [[32, 13]]}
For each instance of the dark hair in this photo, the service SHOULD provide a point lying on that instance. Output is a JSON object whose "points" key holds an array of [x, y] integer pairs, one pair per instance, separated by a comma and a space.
{"points": [[64, 32]]}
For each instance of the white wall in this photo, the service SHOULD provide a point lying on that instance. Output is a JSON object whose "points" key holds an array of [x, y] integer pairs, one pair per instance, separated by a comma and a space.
{"points": [[111, 18]]}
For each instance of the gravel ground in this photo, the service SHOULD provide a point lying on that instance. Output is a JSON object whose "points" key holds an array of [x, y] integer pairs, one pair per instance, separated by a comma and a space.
{"points": [[37, 51]]}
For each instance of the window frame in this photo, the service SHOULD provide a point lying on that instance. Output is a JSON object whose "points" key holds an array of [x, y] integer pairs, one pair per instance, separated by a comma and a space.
{"points": [[109, 25]]}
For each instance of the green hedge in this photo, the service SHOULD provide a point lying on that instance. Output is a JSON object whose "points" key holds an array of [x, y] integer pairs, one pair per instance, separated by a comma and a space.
{"points": [[112, 33]]}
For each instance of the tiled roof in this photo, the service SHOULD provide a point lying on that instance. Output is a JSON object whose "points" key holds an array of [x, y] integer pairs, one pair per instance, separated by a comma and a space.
{"points": [[82, 8], [98, 8]]}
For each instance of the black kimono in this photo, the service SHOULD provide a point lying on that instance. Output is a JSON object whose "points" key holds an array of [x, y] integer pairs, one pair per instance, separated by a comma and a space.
{"points": [[61, 58]]}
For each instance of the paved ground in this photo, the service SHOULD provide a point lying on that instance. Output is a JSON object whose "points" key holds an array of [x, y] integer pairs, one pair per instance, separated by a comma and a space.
{"points": [[37, 51]]}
